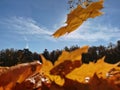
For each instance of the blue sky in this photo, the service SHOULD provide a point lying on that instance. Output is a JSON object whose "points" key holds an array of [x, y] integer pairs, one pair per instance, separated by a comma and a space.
{"points": [[30, 23]]}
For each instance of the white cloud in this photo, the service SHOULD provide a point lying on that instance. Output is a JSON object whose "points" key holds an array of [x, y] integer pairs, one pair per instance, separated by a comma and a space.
{"points": [[88, 31], [26, 26], [92, 32]]}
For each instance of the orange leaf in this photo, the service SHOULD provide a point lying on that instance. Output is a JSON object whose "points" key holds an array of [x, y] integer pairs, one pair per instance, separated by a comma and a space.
{"points": [[88, 70], [78, 16], [17, 74], [72, 56]]}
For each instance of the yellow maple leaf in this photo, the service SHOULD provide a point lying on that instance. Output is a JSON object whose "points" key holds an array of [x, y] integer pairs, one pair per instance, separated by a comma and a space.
{"points": [[78, 16], [47, 66], [67, 66], [56, 79], [88, 70], [72, 56]]}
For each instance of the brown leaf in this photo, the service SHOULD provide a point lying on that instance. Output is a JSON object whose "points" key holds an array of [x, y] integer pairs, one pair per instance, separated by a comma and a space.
{"points": [[17, 74]]}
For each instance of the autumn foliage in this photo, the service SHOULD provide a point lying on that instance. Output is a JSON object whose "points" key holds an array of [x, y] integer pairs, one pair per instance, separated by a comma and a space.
{"points": [[77, 16], [17, 74], [67, 73]]}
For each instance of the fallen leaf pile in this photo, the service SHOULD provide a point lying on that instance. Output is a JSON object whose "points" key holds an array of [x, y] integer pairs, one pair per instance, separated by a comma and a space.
{"points": [[77, 16], [67, 73]]}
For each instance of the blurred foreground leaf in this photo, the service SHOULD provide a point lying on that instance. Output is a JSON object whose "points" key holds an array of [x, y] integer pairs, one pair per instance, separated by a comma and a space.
{"points": [[17, 74]]}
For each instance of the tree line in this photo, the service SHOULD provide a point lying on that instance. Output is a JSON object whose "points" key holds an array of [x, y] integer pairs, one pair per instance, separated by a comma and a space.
{"points": [[10, 57]]}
